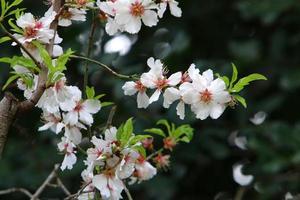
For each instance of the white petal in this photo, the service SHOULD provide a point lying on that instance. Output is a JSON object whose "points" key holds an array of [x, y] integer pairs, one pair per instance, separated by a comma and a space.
{"points": [[180, 108], [155, 96], [129, 88], [170, 95], [150, 18], [92, 106], [86, 118], [174, 79], [175, 10], [216, 111], [142, 100]]}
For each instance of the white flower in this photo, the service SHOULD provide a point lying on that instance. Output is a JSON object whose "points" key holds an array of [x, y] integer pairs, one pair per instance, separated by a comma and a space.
{"points": [[73, 134], [34, 29], [68, 148], [131, 13], [53, 122], [83, 111], [130, 88], [127, 164], [145, 170], [109, 8], [172, 94], [34, 51], [58, 97], [71, 14], [155, 79], [111, 134], [109, 186], [88, 192], [28, 89], [98, 152], [173, 5], [208, 97]]}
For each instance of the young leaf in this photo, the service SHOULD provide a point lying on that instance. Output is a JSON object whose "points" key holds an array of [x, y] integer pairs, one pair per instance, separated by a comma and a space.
{"points": [[234, 75], [240, 99], [105, 104], [246, 80], [141, 150], [166, 124], [156, 131], [90, 92], [138, 138], [4, 39], [127, 132], [10, 80]]}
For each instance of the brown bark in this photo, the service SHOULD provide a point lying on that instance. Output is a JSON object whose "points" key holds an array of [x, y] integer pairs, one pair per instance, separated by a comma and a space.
{"points": [[10, 106]]}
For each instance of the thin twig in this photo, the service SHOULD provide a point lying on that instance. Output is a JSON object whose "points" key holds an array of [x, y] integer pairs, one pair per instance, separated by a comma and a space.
{"points": [[12, 190], [154, 154], [127, 192], [62, 186], [122, 76], [240, 193], [51, 176], [110, 117], [88, 53], [80, 191]]}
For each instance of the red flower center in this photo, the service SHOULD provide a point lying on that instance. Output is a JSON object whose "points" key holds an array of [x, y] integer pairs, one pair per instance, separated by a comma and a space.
{"points": [[78, 107], [161, 83], [137, 9], [139, 86], [206, 96]]}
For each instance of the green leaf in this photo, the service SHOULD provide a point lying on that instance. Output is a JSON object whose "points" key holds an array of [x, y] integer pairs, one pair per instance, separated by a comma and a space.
{"points": [[184, 131], [10, 80], [6, 60], [15, 28], [45, 56], [166, 124], [90, 92], [99, 96], [105, 104], [240, 99], [234, 75], [127, 132], [138, 138], [4, 39], [156, 131], [141, 150], [119, 132], [246, 80]]}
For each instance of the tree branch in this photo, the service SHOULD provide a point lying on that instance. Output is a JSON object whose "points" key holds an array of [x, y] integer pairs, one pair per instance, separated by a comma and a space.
{"points": [[12, 190], [122, 76], [9, 105], [51, 176]]}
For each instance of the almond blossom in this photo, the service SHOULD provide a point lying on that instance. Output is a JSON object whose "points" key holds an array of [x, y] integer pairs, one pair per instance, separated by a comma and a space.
{"points": [[155, 79], [131, 13], [83, 111], [144, 170], [53, 122], [35, 29], [173, 5], [71, 14], [68, 148], [130, 88], [207, 96]]}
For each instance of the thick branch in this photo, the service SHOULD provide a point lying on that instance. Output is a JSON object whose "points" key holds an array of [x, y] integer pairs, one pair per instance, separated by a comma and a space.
{"points": [[9, 106], [8, 109]]}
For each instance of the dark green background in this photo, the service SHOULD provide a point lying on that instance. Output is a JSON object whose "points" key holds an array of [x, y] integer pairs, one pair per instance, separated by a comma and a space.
{"points": [[257, 35]]}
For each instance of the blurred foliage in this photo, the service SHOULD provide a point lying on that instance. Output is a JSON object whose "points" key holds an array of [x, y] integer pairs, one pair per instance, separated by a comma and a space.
{"points": [[257, 35]]}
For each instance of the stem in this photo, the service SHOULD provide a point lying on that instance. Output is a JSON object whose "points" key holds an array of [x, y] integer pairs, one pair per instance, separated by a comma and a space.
{"points": [[121, 76], [127, 192], [110, 117], [12, 190], [88, 53], [154, 154]]}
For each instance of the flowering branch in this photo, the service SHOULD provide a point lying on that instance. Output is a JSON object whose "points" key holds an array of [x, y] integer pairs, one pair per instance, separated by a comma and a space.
{"points": [[13, 190], [127, 192], [122, 76]]}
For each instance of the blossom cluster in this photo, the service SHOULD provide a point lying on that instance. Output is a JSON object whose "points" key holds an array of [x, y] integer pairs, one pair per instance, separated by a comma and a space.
{"points": [[129, 15], [110, 162], [206, 96], [64, 109]]}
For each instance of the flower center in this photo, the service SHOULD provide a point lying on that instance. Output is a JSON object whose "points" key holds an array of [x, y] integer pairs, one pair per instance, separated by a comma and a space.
{"points": [[66, 14], [81, 2], [30, 32], [161, 83], [59, 85], [139, 86], [78, 107], [206, 96], [137, 9]]}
